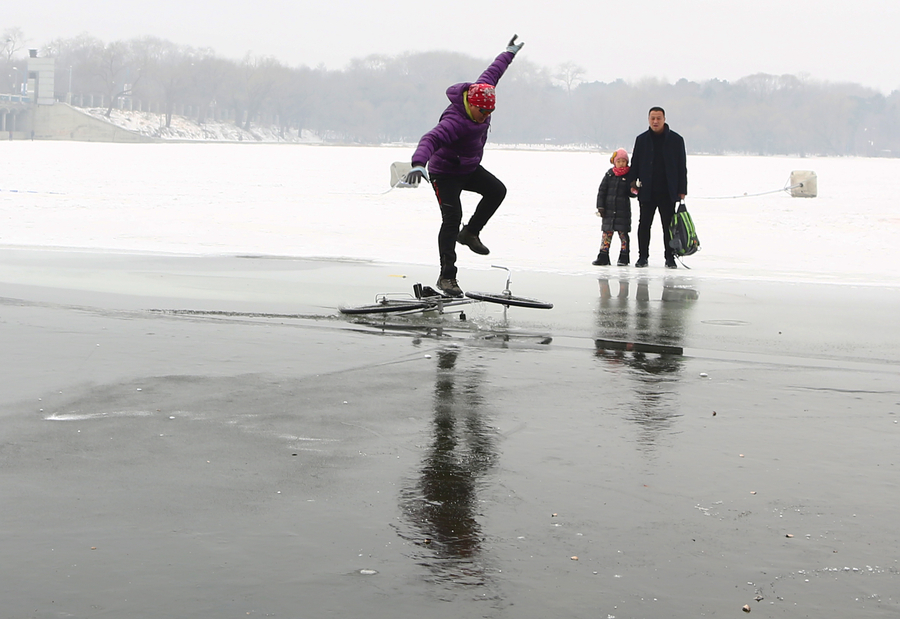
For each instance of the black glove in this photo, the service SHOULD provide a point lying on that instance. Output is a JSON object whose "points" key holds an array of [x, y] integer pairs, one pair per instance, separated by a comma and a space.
{"points": [[513, 46], [415, 176]]}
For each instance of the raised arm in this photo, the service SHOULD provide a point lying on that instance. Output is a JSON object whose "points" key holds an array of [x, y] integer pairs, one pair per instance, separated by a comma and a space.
{"points": [[494, 72]]}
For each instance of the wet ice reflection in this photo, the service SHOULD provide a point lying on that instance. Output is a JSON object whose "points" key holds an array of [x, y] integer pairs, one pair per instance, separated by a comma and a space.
{"points": [[644, 334], [440, 506]]}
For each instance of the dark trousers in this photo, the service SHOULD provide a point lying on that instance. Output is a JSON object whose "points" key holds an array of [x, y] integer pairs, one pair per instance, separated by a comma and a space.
{"points": [[448, 190], [648, 211]]}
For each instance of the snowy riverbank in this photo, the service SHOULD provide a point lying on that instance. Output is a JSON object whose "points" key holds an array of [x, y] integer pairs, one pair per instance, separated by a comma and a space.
{"points": [[184, 128]]}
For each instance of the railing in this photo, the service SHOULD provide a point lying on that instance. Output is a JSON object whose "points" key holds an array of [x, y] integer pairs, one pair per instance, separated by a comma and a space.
{"points": [[15, 98]]}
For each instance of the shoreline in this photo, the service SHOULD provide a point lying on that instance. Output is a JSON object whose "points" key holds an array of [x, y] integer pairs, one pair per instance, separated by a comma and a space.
{"points": [[698, 272]]}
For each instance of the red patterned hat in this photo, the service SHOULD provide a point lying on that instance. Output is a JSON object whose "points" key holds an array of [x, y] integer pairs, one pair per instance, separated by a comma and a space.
{"points": [[482, 96]]}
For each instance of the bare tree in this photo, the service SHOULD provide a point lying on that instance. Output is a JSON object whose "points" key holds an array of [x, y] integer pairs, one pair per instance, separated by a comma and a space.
{"points": [[213, 74], [569, 75], [119, 68], [257, 78], [78, 55], [13, 40], [172, 69]]}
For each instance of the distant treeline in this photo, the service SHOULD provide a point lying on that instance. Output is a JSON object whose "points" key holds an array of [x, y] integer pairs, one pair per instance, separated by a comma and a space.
{"points": [[384, 99]]}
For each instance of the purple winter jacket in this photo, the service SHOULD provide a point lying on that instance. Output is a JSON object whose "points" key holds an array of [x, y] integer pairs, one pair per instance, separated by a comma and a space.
{"points": [[456, 145]]}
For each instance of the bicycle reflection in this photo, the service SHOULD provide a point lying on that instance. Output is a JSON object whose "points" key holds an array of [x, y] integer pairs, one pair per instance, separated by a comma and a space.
{"points": [[441, 505], [645, 336]]}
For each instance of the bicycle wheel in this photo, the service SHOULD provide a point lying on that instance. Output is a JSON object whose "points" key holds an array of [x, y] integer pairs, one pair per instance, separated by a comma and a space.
{"points": [[509, 299], [387, 306]]}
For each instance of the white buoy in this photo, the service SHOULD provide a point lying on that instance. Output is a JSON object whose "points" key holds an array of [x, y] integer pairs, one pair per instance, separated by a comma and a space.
{"points": [[804, 184]]}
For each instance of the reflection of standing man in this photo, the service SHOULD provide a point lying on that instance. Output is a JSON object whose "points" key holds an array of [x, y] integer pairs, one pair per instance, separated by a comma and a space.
{"points": [[660, 164], [647, 337]]}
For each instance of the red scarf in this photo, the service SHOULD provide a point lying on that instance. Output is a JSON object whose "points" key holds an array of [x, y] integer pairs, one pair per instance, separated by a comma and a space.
{"points": [[621, 171]]}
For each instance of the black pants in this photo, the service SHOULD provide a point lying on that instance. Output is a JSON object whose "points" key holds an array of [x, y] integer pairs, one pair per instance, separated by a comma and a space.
{"points": [[648, 211], [448, 190]]}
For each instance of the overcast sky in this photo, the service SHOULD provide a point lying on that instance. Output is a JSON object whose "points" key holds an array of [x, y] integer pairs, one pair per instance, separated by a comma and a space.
{"points": [[669, 39]]}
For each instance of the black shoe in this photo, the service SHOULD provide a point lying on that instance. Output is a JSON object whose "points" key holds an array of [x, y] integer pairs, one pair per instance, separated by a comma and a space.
{"points": [[602, 259], [450, 287], [670, 263], [641, 263], [428, 291], [624, 259], [472, 241]]}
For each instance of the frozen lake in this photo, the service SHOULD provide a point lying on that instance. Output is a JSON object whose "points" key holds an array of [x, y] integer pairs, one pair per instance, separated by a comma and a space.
{"points": [[320, 201], [209, 426]]}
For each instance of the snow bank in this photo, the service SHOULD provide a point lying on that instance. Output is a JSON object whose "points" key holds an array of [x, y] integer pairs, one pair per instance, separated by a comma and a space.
{"points": [[183, 128]]}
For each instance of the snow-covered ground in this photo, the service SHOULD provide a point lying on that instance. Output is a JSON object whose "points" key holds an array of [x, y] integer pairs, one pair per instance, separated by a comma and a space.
{"points": [[184, 128], [307, 200]]}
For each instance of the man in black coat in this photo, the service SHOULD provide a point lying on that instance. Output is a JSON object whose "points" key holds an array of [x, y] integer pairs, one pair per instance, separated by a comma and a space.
{"points": [[660, 164]]}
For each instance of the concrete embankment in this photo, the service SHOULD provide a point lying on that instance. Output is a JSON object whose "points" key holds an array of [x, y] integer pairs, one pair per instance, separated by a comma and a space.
{"points": [[64, 122]]}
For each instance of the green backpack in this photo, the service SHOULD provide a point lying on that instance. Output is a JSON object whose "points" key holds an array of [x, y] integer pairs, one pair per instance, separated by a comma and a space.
{"points": [[682, 234]]}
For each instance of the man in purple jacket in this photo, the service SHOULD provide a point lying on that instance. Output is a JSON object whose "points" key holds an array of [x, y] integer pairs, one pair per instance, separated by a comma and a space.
{"points": [[453, 151]]}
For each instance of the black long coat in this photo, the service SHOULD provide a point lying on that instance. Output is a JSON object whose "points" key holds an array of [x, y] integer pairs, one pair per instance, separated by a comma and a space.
{"points": [[614, 200], [674, 158]]}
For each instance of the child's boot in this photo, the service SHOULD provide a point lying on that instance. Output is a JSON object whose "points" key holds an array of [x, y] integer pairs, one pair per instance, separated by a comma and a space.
{"points": [[602, 259], [624, 258]]}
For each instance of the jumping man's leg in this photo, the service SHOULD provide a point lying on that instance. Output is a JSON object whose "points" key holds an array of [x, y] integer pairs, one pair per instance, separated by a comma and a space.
{"points": [[492, 193], [448, 189]]}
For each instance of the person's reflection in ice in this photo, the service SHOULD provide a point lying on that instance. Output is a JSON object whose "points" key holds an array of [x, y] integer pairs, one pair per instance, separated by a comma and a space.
{"points": [[441, 505], [613, 316], [613, 313], [646, 337]]}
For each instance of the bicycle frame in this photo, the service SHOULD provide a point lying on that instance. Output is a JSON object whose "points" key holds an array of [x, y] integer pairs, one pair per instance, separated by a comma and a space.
{"points": [[429, 300]]}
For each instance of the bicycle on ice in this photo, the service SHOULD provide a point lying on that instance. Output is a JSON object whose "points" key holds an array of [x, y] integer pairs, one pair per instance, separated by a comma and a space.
{"points": [[426, 299]]}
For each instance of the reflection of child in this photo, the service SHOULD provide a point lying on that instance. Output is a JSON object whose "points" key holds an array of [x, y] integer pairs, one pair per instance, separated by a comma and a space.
{"points": [[614, 206]]}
